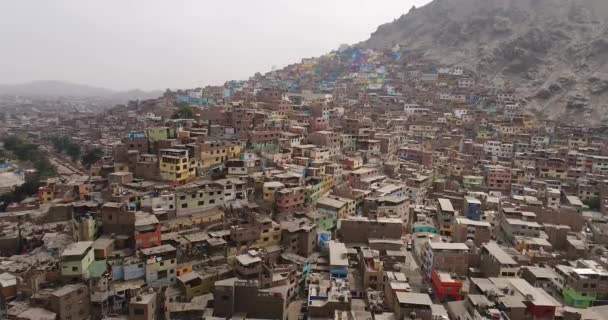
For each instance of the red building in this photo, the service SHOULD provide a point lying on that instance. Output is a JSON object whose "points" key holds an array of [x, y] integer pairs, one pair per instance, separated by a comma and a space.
{"points": [[446, 287], [147, 231], [540, 305]]}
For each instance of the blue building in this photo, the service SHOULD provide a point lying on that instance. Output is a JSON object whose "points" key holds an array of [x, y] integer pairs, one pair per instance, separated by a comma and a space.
{"points": [[472, 208]]}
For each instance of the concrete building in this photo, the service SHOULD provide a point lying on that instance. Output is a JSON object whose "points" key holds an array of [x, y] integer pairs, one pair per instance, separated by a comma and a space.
{"points": [[144, 306], [478, 231], [408, 303], [161, 264], [495, 262], [358, 230], [245, 297], [175, 166], [72, 302], [443, 256], [338, 260], [76, 259]]}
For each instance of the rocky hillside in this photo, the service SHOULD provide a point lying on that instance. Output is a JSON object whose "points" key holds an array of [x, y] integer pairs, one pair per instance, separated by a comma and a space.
{"points": [[555, 52]]}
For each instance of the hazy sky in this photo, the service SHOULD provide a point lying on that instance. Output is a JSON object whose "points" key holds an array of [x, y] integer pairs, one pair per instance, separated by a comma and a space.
{"points": [[151, 44]]}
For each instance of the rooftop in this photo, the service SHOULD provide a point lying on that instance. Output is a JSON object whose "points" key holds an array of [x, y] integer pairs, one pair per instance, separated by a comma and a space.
{"points": [[77, 248], [414, 298], [499, 253], [337, 254]]}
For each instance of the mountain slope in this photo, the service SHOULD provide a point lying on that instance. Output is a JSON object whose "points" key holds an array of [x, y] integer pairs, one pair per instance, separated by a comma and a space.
{"points": [[554, 51], [54, 88]]}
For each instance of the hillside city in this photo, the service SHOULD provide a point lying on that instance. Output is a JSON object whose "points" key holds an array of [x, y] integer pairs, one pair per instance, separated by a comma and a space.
{"points": [[363, 184]]}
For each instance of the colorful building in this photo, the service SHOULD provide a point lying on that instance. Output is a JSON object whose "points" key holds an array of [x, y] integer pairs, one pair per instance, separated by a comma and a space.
{"points": [[160, 133], [147, 230], [446, 287], [76, 259], [175, 166]]}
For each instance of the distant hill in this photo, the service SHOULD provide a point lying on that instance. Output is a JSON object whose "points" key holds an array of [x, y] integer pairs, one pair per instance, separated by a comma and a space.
{"points": [[54, 88], [555, 52]]}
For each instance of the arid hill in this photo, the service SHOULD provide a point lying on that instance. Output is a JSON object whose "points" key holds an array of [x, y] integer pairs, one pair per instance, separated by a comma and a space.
{"points": [[555, 52]]}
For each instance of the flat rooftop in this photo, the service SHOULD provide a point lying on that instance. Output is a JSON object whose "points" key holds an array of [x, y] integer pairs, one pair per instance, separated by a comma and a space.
{"points": [[499, 253], [337, 254], [77, 248]]}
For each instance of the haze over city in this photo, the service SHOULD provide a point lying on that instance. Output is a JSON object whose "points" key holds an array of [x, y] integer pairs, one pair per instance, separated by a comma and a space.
{"points": [[124, 45], [304, 160]]}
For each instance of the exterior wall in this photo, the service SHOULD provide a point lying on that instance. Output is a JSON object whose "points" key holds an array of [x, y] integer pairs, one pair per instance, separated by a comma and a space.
{"points": [[148, 239], [246, 298], [479, 234], [361, 230], [143, 310], [84, 230], [473, 210], [290, 200], [499, 180], [202, 199], [74, 305], [446, 291], [77, 267], [270, 235], [174, 166], [576, 299], [449, 261], [156, 269], [160, 133]]}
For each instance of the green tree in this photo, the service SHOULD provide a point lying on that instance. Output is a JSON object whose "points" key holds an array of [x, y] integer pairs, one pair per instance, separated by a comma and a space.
{"points": [[593, 203], [184, 111], [30, 153], [73, 150], [29, 188], [91, 157]]}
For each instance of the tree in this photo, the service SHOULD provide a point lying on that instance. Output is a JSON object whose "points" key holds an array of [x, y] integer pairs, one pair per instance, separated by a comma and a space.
{"points": [[91, 157], [184, 111], [29, 188], [593, 203], [28, 152], [73, 150]]}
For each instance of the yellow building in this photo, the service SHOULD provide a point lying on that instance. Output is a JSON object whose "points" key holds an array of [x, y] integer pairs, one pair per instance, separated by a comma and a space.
{"points": [[46, 194], [270, 235], [214, 153], [175, 166], [160, 133], [328, 183], [183, 269], [270, 188]]}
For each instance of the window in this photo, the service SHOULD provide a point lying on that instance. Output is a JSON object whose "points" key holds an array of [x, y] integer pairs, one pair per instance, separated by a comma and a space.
{"points": [[182, 197], [74, 269], [184, 205]]}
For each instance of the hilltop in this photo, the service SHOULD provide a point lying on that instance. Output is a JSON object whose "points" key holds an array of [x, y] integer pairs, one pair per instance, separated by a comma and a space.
{"points": [[555, 52]]}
